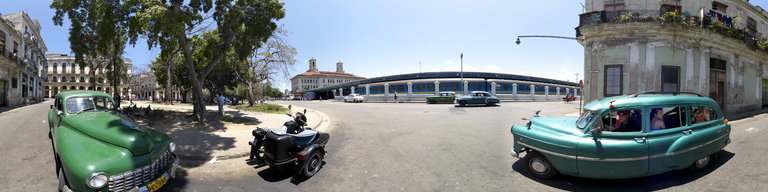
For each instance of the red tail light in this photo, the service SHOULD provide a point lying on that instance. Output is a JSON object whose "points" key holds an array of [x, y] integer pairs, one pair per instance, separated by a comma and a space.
{"points": [[253, 133], [300, 156]]}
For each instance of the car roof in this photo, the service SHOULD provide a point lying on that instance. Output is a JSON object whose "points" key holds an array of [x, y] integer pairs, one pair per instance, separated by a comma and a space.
{"points": [[648, 100], [447, 92], [473, 92], [68, 94]]}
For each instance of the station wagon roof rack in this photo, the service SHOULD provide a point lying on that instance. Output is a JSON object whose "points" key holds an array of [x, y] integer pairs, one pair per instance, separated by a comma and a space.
{"points": [[664, 93]]}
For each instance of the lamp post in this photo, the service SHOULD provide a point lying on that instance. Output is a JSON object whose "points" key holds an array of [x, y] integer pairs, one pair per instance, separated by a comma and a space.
{"points": [[543, 36], [461, 59]]}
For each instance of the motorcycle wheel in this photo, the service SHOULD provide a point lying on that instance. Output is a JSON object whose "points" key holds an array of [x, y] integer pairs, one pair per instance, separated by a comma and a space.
{"points": [[257, 153], [312, 164]]}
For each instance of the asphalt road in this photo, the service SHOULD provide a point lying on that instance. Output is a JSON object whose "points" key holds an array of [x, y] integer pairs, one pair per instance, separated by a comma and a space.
{"points": [[402, 147]]}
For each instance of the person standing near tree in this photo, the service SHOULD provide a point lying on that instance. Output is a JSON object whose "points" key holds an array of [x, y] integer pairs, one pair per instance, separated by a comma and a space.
{"points": [[221, 104]]}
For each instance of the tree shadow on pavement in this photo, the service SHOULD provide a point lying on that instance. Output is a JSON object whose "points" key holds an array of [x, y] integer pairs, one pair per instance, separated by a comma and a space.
{"points": [[195, 143], [650, 183], [178, 183]]}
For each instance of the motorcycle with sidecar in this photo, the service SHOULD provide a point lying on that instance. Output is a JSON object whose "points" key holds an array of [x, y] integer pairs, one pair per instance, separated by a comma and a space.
{"points": [[292, 145]]}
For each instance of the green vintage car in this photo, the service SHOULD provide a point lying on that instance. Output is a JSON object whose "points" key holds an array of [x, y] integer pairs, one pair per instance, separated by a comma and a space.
{"points": [[97, 148], [443, 97], [625, 137]]}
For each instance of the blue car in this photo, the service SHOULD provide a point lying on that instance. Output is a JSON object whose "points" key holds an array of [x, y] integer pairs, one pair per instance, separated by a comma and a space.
{"points": [[477, 98]]}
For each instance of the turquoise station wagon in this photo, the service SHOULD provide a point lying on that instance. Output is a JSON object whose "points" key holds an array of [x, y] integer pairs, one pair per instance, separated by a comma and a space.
{"points": [[625, 137]]}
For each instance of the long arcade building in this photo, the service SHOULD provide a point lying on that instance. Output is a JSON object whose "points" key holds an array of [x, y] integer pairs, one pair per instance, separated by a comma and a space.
{"points": [[417, 86]]}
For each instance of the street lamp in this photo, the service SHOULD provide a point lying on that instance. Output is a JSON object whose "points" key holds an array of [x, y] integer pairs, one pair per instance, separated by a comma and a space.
{"points": [[543, 36]]}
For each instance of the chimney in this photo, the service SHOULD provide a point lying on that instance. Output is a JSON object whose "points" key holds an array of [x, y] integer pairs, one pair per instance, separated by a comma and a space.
{"points": [[340, 67], [312, 65]]}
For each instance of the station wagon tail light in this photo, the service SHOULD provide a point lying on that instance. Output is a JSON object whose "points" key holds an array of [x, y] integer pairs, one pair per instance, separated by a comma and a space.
{"points": [[300, 156], [725, 121]]}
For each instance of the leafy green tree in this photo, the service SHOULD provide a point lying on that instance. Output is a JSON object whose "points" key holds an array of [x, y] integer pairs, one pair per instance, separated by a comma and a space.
{"points": [[97, 33], [241, 25]]}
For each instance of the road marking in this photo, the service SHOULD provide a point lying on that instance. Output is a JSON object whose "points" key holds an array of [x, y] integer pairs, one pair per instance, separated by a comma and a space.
{"points": [[753, 130]]}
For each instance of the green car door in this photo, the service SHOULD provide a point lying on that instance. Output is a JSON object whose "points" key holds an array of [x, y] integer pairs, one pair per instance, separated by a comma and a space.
{"points": [[611, 153], [685, 140]]}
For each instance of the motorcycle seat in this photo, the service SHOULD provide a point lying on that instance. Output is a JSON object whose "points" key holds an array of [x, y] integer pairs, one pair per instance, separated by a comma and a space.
{"points": [[303, 138]]}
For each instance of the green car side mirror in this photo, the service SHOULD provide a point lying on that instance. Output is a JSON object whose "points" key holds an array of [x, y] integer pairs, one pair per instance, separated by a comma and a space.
{"points": [[597, 131], [59, 112]]}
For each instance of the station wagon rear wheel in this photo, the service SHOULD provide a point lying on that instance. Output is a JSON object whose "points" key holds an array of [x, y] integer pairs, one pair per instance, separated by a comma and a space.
{"points": [[539, 166], [703, 163]]}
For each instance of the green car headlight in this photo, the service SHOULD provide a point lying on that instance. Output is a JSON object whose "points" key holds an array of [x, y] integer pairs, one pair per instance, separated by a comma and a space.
{"points": [[172, 147], [97, 180]]}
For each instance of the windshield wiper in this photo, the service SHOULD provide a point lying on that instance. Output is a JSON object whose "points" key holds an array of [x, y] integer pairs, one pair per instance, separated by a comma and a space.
{"points": [[87, 109]]}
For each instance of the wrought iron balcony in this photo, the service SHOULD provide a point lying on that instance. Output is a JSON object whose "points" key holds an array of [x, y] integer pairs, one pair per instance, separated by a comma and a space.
{"points": [[713, 21]]}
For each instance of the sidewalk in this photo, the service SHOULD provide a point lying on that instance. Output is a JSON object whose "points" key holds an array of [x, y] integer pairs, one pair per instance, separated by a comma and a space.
{"points": [[232, 140]]}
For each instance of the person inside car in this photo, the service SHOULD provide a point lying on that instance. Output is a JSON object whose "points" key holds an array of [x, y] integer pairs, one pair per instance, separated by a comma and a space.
{"points": [[700, 115], [624, 123], [657, 119]]}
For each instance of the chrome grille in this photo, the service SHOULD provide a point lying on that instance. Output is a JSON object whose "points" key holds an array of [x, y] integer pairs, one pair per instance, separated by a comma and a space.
{"points": [[140, 176]]}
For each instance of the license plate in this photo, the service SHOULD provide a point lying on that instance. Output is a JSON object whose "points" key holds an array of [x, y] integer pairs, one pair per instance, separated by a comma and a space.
{"points": [[156, 184]]}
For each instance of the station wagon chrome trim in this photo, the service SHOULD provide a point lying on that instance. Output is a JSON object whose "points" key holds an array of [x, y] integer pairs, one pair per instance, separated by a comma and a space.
{"points": [[619, 159]]}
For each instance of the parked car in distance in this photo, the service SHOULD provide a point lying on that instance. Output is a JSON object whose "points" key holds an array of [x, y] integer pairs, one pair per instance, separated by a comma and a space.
{"points": [[477, 97], [354, 98], [443, 97], [625, 137], [97, 148], [569, 97]]}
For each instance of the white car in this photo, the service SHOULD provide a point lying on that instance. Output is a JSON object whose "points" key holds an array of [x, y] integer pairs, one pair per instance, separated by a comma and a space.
{"points": [[353, 98]]}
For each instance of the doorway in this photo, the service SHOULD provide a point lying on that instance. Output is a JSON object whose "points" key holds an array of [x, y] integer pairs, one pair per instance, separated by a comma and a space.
{"points": [[765, 93], [2, 93], [717, 81]]}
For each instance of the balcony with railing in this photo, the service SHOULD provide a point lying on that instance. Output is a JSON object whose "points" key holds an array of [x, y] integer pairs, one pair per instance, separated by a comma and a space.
{"points": [[712, 21]]}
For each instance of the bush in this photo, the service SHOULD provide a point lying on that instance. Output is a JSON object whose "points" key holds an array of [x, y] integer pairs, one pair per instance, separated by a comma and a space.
{"points": [[264, 108]]}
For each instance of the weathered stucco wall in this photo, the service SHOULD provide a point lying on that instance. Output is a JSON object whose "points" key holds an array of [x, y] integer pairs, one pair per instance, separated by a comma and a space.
{"points": [[643, 54]]}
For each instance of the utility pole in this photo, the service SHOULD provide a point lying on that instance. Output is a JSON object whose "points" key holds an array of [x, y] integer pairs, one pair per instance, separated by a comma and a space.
{"points": [[461, 59]]}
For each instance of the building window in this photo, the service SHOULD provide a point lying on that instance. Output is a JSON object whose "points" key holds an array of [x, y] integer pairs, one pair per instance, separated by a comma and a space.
{"points": [[420, 87], [63, 79], [751, 25], [670, 78], [2, 40], [55, 79], [55, 68], [431, 87], [72, 79], [73, 67], [401, 88], [14, 83], [443, 87], [454, 86], [63, 68], [670, 6], [613, 79], [82, 79], [614, 5], [719, 7]]}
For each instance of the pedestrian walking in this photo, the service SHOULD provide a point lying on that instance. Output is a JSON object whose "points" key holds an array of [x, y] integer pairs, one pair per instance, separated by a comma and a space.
{"points": [[395, 96], [221, 104]]}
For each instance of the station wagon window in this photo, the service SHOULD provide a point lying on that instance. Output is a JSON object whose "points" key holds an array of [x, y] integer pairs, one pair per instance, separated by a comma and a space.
{"points": [[666, 118], [621, 121], [89, 103], [702, 114]]}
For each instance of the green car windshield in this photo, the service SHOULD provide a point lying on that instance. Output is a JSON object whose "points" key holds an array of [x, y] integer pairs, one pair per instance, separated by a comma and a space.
{"points": [[89, 103], [585, 119]]}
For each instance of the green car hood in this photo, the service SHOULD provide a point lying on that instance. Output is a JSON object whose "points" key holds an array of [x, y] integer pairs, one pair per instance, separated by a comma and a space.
{"points": [[113, 128], [562, 124]]}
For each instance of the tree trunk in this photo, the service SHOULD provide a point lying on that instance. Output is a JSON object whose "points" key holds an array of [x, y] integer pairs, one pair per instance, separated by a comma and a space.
{"points": [[251, 95], [168, 86]]}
